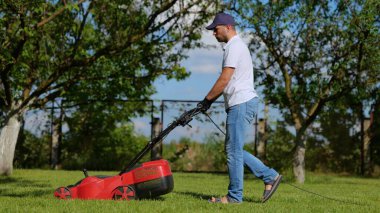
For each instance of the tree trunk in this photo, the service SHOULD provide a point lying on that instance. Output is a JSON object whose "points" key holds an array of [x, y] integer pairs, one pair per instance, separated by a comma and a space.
{"points": [[299, 161], [8, 140], [366, 139], [261, 148], [56, 141]]}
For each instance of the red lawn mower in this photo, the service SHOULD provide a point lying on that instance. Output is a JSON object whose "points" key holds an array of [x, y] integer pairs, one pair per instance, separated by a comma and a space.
{"points": [[135, 181]]}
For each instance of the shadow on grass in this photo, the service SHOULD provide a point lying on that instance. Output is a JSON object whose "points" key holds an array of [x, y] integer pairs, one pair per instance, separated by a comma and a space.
{"points": [[6, 180], [19, 187], [23, 182], [195, 195], [20, 194], [206, 197]]}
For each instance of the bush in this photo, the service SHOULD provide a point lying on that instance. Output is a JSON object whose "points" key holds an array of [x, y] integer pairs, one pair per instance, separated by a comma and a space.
{"points": [[108, 151], [32, 151], [279, 152], [197, 156]]}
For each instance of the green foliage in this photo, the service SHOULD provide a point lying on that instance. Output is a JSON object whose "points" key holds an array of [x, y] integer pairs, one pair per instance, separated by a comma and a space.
{"points": [[96, 141], [97, 50], [319, 46], [331, 148], [375, 142], [279, 148], [311, 54], [342, 146], [86, 51], [91, 146], [32, 151], [208, 156]]}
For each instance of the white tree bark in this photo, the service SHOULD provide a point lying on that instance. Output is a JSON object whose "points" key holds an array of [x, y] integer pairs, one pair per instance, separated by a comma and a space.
{"points": [[56, 142], [8, 140], [299, 164]]}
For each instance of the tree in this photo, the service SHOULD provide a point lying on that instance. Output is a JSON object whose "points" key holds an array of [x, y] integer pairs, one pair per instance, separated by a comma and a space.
{"points": [[340, 140], [360, 104], [101, 145], [369, 131], [83, 50], [375, 131], [310, 53]]}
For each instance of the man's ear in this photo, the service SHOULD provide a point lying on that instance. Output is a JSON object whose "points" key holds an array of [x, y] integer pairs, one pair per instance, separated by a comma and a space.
{"points": [[230, 27]]}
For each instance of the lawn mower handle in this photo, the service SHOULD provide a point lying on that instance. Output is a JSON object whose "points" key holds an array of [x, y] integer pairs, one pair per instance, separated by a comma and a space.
{"points": [[183, 120]]}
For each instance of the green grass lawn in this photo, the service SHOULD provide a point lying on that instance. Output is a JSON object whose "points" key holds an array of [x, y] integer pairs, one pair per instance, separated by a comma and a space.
{"points": [[32, 191]]}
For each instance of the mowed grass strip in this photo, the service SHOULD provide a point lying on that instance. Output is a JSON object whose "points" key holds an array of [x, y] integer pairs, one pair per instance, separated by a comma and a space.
{"points": [[32, 191]]}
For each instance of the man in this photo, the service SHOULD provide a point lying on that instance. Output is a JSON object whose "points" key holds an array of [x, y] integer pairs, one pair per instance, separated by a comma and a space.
{"points": [[241, 101]]}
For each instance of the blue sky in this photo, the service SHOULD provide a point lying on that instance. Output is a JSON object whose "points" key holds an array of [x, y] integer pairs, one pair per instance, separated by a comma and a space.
{"points": [[204, 65]]}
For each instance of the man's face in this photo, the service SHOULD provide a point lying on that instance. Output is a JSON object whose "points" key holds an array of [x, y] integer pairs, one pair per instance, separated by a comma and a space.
{"points": [[220, 33]]}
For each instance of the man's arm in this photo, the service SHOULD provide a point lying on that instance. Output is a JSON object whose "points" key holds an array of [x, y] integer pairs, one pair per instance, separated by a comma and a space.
{"points": [[221, 83]]}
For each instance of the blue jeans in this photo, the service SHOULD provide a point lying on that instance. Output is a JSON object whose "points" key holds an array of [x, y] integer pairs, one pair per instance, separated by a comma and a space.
{"points": [[239, 122]]}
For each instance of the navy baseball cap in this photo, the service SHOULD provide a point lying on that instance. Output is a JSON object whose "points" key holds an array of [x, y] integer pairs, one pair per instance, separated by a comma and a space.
{"points": [[221, 19]]}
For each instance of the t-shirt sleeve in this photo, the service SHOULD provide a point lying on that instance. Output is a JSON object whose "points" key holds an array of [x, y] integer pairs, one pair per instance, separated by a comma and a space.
{"points": [[231, 56]]}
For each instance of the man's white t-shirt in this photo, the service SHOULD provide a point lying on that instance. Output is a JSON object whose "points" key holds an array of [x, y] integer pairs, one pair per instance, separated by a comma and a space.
{"points": [[240, 88]]}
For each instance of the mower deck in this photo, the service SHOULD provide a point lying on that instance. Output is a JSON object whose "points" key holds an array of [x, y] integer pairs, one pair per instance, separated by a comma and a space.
{"points": [[149, 179]]}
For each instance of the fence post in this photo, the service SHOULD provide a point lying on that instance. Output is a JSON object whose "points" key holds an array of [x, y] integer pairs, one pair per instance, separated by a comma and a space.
{"points": [[156, 152]]}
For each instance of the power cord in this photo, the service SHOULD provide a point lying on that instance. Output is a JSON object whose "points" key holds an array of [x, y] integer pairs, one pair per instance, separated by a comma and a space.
{"points": [[214, 123], [323, 196]]}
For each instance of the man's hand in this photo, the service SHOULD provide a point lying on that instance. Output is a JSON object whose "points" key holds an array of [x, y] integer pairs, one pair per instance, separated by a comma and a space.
{"points": [[204, 105]]}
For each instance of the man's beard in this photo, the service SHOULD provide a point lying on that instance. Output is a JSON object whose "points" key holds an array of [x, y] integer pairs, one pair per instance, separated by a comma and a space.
{"points": [[220, 39]]}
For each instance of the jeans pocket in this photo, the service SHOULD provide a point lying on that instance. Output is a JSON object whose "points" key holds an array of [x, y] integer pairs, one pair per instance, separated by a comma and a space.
{"points": [[251, 110], [233, 114]]}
